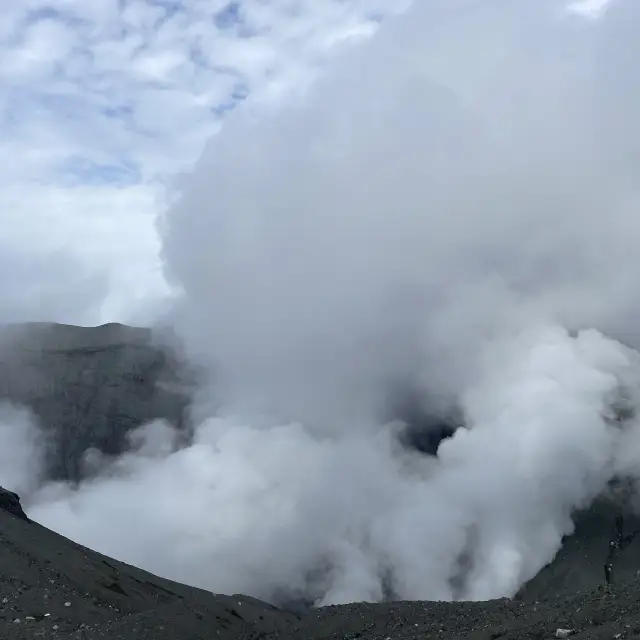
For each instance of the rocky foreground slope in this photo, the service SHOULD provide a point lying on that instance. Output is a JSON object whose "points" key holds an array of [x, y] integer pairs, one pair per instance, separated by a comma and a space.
{"points": [[51, 587], [91, 386]]}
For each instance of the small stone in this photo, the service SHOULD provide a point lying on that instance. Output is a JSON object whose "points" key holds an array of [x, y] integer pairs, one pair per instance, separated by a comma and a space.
{"points": [[563, 633], [67, 604], [55, 627], [5, 600], [16, 621]]}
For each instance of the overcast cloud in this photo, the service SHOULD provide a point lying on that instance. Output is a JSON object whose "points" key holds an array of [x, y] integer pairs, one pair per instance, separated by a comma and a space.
{"points": [[102, 104]]}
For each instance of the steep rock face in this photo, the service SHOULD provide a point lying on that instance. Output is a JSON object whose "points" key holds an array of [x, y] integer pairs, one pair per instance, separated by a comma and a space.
{"points": [[88, 386], [10, 502], [580, 564]]}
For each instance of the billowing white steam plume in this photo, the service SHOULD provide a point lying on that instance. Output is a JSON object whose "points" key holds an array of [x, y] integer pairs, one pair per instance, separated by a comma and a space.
{"points": [[23, 449], [454, 207]]}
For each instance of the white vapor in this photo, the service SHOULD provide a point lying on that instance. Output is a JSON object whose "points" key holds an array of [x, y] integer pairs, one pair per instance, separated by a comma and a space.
{"points": [[23, 450], [454, 207]]}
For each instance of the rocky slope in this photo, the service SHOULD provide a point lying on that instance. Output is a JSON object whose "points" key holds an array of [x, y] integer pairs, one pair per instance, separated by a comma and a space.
{"points": [[51, 587], [580, 563]]}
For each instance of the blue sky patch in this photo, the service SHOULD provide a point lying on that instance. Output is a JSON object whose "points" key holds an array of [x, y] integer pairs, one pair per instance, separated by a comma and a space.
{"points": [[76, 170]]}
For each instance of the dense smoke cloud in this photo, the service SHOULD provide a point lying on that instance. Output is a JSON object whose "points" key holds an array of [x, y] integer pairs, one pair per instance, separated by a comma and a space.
{"points": [[452, 208], [23, 450], [468, 170]]}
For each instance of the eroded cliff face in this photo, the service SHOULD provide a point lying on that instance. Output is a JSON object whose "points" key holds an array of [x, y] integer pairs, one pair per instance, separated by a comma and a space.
{"points": [[89, 386]]}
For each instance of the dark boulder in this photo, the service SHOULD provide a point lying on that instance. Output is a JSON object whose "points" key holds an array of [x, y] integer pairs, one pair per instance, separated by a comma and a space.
{"points": [[10, 501]]}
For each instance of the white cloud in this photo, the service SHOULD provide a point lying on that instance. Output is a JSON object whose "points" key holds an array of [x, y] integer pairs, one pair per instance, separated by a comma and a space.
{"points": [[448, 209], [102, 102], [590, 8]]}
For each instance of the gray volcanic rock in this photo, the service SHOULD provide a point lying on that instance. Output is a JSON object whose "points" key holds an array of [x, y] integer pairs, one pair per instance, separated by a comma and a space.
{"points": [[88, 386], [580, 564], [10, 502], [51, 587]]}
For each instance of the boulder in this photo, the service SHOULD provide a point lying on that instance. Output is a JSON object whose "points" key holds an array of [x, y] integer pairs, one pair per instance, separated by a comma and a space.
{"points": [[10, 501]]}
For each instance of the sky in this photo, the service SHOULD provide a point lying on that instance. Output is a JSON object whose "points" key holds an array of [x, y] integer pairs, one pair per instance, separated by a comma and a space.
{"points": [[103, 104]]}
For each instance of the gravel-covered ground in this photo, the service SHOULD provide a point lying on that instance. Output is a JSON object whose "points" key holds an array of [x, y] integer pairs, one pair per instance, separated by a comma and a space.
{"points": [[51, 587], [593, 614]]}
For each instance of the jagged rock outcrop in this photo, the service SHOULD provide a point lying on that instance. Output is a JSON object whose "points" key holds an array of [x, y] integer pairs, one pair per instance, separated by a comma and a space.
{"points": [[89, 386], [10, 502]]}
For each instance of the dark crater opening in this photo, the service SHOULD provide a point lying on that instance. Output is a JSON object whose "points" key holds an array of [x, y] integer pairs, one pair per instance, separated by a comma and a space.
{"points": [[424, 426]]}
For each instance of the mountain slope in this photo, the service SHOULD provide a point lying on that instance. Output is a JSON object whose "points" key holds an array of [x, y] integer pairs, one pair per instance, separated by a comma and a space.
{"points": [[49, 584], [51, 587]]}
